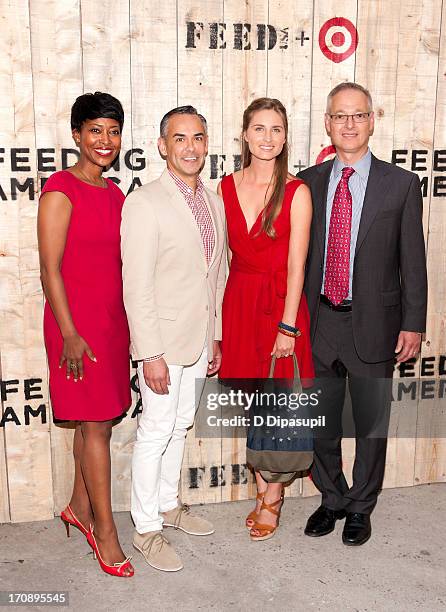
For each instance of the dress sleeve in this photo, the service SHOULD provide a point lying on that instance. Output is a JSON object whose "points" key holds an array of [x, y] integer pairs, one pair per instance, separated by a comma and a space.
{"points": [[116, 190], [61, 181]]}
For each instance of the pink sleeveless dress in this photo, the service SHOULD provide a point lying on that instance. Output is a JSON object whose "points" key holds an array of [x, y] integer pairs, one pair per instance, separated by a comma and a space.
{"points": [[91, 271]]}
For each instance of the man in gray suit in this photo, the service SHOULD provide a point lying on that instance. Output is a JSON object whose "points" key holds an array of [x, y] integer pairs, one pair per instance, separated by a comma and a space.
{"points": [[366, 287]]}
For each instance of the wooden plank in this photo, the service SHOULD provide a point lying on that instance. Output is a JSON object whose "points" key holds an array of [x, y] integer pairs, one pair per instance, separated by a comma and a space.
{"points": [[289, 72], [430, 454], [245, 69], [289, 64], [326, 73], [413, 121], [153, 44], [377, 66], [55, 33], [5, 516], [200, 70], [27, 439], [152, 91], [200, 61], [245, 77], [106, 67], [149, 37]]}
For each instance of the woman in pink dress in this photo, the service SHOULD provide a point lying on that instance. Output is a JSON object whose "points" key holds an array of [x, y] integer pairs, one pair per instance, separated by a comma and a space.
{"points": [[85, 326]]}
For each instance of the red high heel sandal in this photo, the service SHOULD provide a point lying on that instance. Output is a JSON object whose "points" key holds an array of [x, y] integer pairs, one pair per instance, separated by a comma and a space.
{"points": [[71, 519], [117, 569]]}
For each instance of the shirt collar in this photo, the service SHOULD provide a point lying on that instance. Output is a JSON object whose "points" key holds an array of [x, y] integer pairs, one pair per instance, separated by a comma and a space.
{"points": [[361, 167], [184, 187]]}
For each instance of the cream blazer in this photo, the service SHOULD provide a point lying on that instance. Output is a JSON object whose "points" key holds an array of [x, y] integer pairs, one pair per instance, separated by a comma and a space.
{"points": [[172, 297]]}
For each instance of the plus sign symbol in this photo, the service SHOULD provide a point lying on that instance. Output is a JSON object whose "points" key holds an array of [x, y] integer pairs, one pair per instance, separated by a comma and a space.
{"points": [[338, 39]]}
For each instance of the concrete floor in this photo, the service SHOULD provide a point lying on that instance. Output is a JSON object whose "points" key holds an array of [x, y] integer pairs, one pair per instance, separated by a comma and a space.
{"points": [[401, 568]]}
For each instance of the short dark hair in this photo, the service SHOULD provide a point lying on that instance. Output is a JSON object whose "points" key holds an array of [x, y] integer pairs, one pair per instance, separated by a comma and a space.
{"points": [[181, 110], [96, 105], [349, 85]]}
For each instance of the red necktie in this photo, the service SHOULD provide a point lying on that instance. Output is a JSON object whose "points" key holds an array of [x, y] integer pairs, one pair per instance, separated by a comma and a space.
{"points": [[337, 263]]}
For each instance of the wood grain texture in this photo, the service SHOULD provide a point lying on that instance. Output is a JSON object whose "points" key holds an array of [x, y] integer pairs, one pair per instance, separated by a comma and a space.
{"points": [[430, 453], [22, 355], [55, 33], [326, 73], [217, 55], [245, 78], [200, 73], [106, 62], [377, 66], [153, 48]]}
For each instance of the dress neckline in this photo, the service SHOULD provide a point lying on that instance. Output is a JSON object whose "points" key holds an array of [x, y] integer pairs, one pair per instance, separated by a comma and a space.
{"points": [[248, 231], [85, 182]]}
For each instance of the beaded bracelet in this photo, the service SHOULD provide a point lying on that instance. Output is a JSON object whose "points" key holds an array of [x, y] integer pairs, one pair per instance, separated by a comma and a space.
{"points": [[288, 328], [289, 334]]}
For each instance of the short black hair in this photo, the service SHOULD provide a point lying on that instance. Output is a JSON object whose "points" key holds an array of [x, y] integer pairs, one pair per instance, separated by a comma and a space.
{"points": [[96, 105], [181, 110]]}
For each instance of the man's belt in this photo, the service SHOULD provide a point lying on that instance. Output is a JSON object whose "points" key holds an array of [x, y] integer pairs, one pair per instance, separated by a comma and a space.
{"points": [[344, 306]]}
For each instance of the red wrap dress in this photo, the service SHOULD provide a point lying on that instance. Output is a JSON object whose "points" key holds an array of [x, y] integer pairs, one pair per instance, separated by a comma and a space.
{"points": [[255, 294]]}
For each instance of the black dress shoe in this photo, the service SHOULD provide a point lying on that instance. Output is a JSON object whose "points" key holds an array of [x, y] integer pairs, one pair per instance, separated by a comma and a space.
{"points": [[357, 529], [323, 521]]}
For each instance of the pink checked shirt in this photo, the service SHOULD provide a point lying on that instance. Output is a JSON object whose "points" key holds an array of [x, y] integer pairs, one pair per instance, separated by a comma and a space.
{"points": [[197, 204]]}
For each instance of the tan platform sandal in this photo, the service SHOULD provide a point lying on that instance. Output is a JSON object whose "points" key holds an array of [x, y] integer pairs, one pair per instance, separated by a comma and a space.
{"points": [[267, 531], [253, 516]]}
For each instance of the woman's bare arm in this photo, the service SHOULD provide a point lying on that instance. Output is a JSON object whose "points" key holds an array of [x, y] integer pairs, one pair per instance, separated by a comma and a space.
{"points": [[300, 219]]}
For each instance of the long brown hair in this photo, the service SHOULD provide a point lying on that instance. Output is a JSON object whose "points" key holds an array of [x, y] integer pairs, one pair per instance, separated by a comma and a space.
{"points": [[278, 179]]}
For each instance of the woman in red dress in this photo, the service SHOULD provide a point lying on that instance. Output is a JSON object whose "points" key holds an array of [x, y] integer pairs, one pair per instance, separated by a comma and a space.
{"points": [[268, 214], [85, 326]]}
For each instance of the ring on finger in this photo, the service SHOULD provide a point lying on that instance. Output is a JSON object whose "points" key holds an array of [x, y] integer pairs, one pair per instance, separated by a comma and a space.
{"points": [[73, 365]]}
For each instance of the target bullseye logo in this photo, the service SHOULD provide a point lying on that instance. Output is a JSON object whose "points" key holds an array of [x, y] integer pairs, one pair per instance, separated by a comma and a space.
{"points": [[338, 39], [325, 154]]}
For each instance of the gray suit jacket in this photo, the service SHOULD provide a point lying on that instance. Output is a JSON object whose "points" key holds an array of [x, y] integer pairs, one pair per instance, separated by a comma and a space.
{"points": [[171, 296], [389, 274]]}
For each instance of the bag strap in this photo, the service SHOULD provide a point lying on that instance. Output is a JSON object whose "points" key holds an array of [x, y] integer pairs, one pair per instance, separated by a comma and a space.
{"points": [[295, 364]]}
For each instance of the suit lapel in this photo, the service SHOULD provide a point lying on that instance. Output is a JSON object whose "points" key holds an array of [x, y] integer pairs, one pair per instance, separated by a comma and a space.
{"points": [[320, 205], [373, 199]]}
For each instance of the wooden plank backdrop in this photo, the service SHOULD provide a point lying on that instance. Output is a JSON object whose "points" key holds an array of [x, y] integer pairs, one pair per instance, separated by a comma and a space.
{"points": [[217, 55], [55, 33]]}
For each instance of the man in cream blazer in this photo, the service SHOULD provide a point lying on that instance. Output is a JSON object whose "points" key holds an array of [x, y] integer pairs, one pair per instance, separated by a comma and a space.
{"points": [[174, 263]]}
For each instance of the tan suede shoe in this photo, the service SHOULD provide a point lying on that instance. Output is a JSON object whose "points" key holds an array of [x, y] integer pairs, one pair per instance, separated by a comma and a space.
{"points": [[157, 551], [181, 518]]}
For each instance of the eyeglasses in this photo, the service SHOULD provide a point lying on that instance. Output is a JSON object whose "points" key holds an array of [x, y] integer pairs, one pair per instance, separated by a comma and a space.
{"points": [[357, 117]]}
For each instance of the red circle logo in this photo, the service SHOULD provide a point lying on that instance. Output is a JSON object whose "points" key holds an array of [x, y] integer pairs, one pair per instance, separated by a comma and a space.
{"points": [[338, 39], [327, 152]]}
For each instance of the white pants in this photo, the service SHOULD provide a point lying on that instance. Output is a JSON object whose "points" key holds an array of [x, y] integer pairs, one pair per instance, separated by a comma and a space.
{"points": [[159, 446]]}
